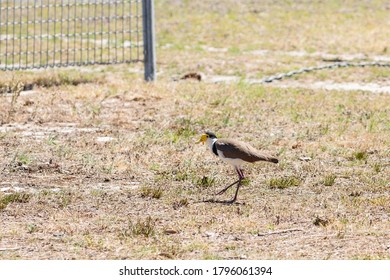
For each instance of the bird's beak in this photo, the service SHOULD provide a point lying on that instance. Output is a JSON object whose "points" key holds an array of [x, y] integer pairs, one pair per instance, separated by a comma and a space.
{"points": [[202, 139]]}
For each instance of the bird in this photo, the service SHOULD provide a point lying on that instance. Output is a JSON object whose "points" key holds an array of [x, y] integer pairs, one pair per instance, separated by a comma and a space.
{"points": [[235, 153]]}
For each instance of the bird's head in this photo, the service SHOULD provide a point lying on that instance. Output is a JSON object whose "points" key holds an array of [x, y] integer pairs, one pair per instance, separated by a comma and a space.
{"points": [[205, 136]]}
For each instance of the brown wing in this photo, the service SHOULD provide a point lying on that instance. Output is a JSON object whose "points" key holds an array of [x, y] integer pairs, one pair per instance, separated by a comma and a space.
{"points": [[237, 149]]}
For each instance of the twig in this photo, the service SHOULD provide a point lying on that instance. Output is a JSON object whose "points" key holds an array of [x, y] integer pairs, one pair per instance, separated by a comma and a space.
{"points": [[9, 249], [280, 231]]}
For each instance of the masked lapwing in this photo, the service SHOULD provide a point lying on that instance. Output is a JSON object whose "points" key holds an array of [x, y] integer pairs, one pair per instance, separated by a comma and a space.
{"points": [[235, 153]]}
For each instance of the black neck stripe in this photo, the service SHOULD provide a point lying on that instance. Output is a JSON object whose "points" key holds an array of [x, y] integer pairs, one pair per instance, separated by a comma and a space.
{"points": [[215, 149]]}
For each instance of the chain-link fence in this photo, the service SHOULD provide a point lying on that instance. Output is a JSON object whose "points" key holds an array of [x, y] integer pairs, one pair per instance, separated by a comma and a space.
{"points": [[58, 33]]}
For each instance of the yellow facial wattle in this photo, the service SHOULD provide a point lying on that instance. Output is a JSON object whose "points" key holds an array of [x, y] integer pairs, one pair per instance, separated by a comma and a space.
{"points": [[202, 139]]}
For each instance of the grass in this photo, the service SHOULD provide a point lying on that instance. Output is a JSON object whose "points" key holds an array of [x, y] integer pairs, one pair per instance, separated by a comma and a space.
{"points": [[205, 182], [181, 203], [23, 158], [316, 18], [329, 180], [151, 192], [66, 193], [6, 199], [282, 183], [360, 155], [144, 228]]}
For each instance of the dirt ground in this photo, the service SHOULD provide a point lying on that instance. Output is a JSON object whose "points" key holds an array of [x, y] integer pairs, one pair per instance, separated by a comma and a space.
{"points": [[97, 164]]}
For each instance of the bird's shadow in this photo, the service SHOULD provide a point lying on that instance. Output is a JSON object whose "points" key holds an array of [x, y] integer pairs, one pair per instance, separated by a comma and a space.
{"points": [[226, 202]]}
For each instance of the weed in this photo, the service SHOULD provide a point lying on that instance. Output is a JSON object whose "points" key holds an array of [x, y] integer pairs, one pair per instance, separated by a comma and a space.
{"points": [[382, 201], [282, 183], [140, 227], [181, 175], [170, 251], [219, 101], [154, 167], [205, 182], [295, 116], [361, 155], [340, 234], [3, 136], [151, 192], [329, 180], [324, 129], [320, 221], [355, 194], [91, 242], [109, 168], [377, 167], [63, 151], [230, 247], [94, 110], [182, 202], [66, 198], [226, 119], [245, 182], [271, 227], [31, 228], [184, 129], [89, 159], [234, 50], [52, 140], [209, 256], [61, 78], [15, 88], [6, 199], [23, 159], [372, 125]]}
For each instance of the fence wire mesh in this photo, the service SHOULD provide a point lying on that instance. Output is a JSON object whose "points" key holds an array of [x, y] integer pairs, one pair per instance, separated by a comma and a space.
{"points": [[58, 33]]}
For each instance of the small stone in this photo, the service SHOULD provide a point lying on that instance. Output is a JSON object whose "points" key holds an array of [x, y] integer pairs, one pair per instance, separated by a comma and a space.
{"points": [[170, 231], [211, 234], [305, 158], [59, 234]]}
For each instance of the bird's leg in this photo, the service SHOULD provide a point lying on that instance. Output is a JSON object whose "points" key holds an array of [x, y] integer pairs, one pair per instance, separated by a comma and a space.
{"points": [[225, 189], [240, 175]]}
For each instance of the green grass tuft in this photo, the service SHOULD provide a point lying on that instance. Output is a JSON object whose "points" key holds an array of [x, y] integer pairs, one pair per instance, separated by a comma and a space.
{"points": [[180, 203], [140, 227], [31, 228], [329, 180], [282, 183], [24, 158], [377, 167], [205, 182], [6, 199], [151, 192], [361, 155]]}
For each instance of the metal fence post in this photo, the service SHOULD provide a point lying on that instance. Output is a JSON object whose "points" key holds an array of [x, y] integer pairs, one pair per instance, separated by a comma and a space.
{"points": [[149, 41]]}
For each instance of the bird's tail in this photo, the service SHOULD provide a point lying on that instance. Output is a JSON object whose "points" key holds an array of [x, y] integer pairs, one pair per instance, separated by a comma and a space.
{"points": [[268, 158], [273, 159]]}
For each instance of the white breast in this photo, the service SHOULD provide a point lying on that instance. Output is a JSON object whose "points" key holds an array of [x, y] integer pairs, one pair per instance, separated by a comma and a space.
{"points": [[210, 142]]}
